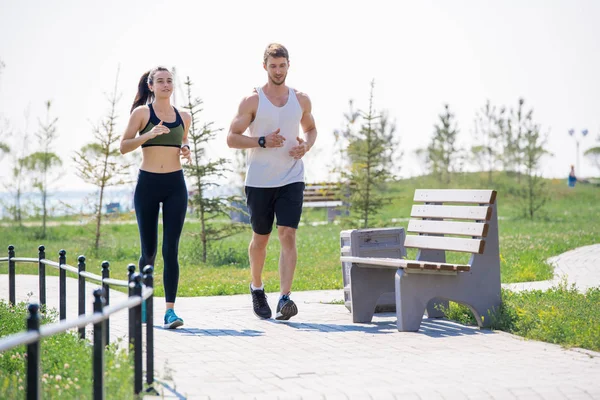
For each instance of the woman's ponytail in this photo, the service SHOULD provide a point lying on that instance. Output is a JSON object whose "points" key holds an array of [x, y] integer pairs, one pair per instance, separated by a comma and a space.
{"points": [[144, 95]]}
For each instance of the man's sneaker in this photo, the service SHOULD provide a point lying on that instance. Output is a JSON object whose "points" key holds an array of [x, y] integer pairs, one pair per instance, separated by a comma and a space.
{"points": [[260, 304], [172, 321], [286, 308]]}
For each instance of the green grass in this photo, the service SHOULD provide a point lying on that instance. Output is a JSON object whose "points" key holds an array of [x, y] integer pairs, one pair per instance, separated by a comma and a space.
{"points": [[569, 220], [66, 363], [560, 315]]}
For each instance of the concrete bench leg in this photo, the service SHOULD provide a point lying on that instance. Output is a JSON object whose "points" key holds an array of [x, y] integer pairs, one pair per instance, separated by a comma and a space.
{"points": [[411, 301], [435, 306], [482, 310], [366, 286]]}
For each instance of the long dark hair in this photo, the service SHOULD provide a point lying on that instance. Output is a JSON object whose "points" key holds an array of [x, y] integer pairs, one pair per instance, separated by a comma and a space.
{"points": [[144, 94]]}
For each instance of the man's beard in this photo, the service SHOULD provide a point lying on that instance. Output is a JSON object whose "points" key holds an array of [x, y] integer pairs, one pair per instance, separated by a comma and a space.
{"points": [[274, 82]]}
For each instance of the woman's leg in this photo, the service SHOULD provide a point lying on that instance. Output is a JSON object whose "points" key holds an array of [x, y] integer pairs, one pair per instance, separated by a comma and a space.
{"points": [[174, 210], [146, 212]]}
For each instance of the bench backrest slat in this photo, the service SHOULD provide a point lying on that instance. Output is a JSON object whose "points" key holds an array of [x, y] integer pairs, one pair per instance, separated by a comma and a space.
{"points": [[448, 227], [445, 243], [320, 192], [455, 196], [448, 213], [476, 213]]}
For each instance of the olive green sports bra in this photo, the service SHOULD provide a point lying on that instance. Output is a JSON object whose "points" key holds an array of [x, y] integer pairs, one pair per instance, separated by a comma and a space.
{"points": [[172, 139]]}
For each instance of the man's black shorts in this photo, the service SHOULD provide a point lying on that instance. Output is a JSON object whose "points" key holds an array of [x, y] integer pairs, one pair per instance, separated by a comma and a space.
{"points": [[264, 204]]}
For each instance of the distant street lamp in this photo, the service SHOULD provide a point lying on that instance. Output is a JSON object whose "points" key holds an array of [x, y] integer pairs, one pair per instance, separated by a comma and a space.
{"points": [[572, 134]]}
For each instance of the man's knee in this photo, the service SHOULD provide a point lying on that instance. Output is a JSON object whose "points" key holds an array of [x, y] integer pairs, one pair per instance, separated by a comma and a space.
{"points": [[259, 242], [287, 236]]}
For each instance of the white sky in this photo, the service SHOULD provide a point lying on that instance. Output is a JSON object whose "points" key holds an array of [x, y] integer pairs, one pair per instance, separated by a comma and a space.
{"points": [[422, 54]]}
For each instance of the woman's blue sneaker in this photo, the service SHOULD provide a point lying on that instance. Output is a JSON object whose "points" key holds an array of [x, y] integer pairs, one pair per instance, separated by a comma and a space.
{"points": [[143, 311], [172, 321]]}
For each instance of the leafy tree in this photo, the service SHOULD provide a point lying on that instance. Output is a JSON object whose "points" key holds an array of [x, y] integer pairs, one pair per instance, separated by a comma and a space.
{"points": [[5, 132], [593, 154], [42, 162]]}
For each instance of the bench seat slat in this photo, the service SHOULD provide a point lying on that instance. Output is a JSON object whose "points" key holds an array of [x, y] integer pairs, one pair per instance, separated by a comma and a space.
{"points": [[476, 213], [395, 263], [455, 196], [320, 198], [445, 243], [448, 227], [317, 204]]}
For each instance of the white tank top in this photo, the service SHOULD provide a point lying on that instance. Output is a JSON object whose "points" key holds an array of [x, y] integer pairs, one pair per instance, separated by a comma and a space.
{"points": [[274, 167]]}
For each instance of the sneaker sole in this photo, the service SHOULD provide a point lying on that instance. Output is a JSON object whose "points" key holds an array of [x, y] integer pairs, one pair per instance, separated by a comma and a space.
{"points": [[287, 311], [173, 325], [261, 317]]}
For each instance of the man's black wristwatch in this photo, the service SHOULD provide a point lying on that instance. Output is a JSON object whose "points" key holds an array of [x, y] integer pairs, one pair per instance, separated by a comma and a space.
{"points": [[262, 142]]}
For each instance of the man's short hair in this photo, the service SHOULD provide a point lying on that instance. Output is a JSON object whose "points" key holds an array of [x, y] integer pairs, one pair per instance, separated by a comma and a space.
{"points": [[276, 50]]}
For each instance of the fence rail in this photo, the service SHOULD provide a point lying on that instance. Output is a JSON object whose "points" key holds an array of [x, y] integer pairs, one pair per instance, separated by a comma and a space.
{"points": [[141, 289]]}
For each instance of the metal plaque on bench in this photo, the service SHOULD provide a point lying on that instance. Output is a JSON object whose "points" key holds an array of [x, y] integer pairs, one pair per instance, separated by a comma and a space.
{"points": [[380, 242]]}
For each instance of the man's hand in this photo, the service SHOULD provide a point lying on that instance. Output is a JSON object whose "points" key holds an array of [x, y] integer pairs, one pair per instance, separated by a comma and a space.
{"points": [[274, 139], [185, 153], [297, 152]]}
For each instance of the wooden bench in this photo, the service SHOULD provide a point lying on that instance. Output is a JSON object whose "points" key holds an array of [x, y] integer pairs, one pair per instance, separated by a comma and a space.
{"points": [[323, 195], [468, 225]]}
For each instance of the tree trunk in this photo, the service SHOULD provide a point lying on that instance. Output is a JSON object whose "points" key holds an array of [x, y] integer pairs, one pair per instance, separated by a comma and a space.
{"points": [[203, 235], [99, 218]]}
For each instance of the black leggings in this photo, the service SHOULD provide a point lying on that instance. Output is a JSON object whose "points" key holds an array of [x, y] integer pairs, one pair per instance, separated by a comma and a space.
{"points": [[170, 190]]}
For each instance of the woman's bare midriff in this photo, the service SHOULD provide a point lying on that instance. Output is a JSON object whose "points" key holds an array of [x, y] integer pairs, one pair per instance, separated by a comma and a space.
{"points": [[160, 159]]}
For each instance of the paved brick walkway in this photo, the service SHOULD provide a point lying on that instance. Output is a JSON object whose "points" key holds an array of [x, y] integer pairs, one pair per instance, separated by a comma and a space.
{"points": [[225, 352], [580, 267]]}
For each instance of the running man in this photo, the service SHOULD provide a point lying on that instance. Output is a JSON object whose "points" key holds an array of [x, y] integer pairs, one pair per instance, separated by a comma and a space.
{"points": [[275, 177]]}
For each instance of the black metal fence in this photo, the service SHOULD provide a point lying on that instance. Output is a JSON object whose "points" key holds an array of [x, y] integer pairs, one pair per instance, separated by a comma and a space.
{"points": [[141, 288]]}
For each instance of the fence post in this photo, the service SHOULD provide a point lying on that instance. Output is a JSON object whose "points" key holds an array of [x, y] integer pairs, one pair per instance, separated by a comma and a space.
{"points": [[137, 341], [11, 275], [42, 275], [131, 271], [149, 282], [33, 354], [106, 275], [81, 268], [62, 283], [99, 345]]}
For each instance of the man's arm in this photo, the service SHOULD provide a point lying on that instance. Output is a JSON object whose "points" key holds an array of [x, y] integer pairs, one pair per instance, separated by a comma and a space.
{"points": [[308, 127], [241, 122], [308, 121], [236, 138]]}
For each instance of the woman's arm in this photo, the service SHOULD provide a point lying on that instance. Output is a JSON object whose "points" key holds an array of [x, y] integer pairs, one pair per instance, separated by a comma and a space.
{"points": [[185, 143], [129, 141]]}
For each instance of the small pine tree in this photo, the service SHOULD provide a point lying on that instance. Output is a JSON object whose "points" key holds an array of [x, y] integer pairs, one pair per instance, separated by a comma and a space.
{"points": [[487, 136], [204, 173], [533, 192], [512, 127], [443, 153], [370, 152], [99, 163]]}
